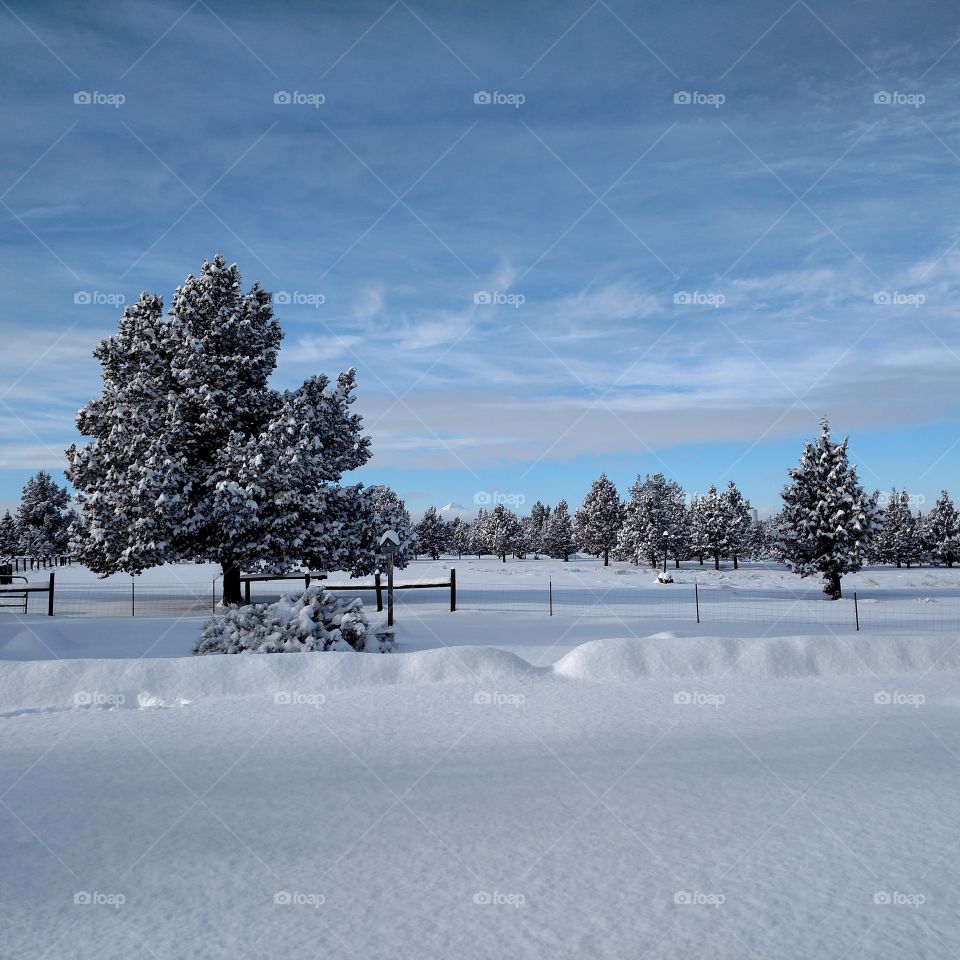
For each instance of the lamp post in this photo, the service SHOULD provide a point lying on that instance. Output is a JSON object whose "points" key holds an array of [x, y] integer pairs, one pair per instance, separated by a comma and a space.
{"points": [[389, 544]]}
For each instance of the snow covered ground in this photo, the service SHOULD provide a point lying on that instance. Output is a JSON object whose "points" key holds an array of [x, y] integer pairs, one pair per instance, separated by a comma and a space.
{"points": [[530, 786]]}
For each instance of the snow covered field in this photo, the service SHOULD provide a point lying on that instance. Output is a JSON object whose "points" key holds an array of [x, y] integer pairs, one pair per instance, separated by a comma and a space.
{"points": [[575, 786]]}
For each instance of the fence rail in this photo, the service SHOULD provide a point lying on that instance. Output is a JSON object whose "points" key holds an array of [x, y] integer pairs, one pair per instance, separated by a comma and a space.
{"points": [[689, 602]]}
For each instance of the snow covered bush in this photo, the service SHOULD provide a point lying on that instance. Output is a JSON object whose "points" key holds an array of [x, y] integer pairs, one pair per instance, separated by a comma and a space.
{"points": [[314, 620]]}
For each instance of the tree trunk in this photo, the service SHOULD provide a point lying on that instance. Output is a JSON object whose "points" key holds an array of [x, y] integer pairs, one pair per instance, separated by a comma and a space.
{"points": [[898, 563], [735, 564], [606, 557], [832, 588], [716, 560], [676, 563], [231, 585]]}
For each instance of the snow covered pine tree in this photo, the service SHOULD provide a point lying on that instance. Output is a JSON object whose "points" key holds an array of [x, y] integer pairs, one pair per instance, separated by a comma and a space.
{"points": [[597, 523], [43, 519], [194, 457], [827, 521]]}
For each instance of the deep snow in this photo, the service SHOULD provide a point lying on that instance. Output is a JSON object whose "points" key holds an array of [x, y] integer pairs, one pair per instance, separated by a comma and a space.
{"points": [[591, 791]]}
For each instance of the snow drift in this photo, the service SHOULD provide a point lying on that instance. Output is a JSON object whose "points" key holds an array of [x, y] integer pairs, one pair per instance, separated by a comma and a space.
{"points": [[140, 684]]}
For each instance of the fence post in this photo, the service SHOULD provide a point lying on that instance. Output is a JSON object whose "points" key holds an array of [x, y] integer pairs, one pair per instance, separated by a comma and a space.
{"points": [[379, 588], [856, 610], [306, 581], [50, 596], [213, 597], [133, 596], [696, 598], [550, 595], [453, 589]]}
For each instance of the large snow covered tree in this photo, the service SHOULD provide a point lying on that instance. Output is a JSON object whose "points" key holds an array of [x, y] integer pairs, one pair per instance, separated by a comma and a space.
{"points": [[710, 525], [558, 536], [535, 527], [740, 524], [459, 534], [9, 538], [502, 530], [940, 531], [828, 521], [597, 523], [654, 522], [193, 456], [43, 518]]}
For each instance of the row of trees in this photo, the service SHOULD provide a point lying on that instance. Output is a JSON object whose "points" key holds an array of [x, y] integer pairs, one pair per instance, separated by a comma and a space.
{"points": [[192, 455]]}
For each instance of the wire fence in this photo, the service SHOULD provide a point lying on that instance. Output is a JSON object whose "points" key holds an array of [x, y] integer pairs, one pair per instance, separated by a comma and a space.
{"points": [[876, 610]]}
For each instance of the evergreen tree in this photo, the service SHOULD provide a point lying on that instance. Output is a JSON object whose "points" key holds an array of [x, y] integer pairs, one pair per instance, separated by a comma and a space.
{"points": [[461, 537], [478, 533], [654, 522], [828, 519], [502, 531], [896, 540], [711, 525], [740, 524], [940, 531], [9, 536], [194, 457], [432, 533], [558, 539], [536, 527], [43, 519], [390, 513], [597, 523]]}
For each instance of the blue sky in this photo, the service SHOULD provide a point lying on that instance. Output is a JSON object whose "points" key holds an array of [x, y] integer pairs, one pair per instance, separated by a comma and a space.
{"points": [[700, 227]]}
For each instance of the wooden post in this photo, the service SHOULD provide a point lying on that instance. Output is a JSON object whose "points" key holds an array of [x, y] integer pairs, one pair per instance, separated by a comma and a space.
{"points": [[550, 595], [306, 581], [453, 589], [213, 596], [379, 589], [696, 598], [50, 596], [246, 592], [133, 596], [856, 610], [390, 590]]}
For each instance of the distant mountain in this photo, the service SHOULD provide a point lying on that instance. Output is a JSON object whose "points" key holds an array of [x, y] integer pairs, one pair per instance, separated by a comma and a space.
{"points": [[453, 507]]}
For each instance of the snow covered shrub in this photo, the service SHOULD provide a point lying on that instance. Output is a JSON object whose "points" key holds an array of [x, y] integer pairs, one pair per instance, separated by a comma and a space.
{"points": [[314, 619]]}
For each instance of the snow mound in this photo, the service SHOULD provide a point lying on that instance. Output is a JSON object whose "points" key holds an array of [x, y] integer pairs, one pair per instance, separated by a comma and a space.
{"points": [[145, 684], [770, 658]]}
